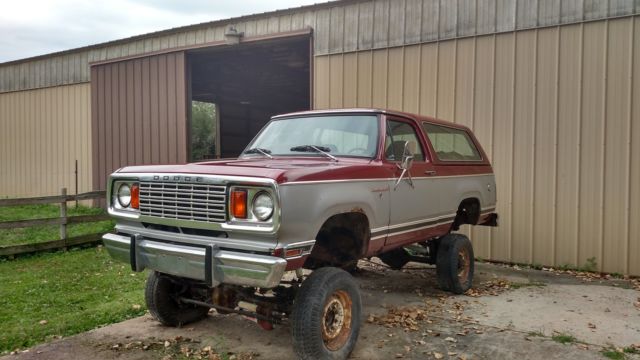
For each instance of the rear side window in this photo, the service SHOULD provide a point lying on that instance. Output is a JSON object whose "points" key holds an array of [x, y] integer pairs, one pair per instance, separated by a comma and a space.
{"points": [[451, 144]]}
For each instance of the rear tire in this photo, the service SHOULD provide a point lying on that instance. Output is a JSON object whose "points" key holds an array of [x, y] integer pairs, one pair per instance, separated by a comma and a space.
{"points": [[326, 316], [455, 263], [161, 294], [396, 258]]}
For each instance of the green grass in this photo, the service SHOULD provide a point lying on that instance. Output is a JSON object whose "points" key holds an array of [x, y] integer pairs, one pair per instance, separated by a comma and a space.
{"points": [[563, 338], [37, 234], [613, 354], [73, 291], [631, 350]]}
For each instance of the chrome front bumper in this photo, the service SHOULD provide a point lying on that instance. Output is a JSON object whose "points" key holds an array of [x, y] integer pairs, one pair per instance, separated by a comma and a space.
{"points": [[208, 264]]}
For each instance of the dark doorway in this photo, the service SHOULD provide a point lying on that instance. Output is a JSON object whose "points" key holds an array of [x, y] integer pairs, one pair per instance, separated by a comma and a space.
{"points": [[249, 83]]}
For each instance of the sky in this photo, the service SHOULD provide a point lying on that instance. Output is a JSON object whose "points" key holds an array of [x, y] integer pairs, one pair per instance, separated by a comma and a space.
{"points": [[36, 27]]}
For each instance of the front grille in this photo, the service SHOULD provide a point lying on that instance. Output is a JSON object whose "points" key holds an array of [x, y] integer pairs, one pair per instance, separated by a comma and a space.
{"points": [[183, 201]]}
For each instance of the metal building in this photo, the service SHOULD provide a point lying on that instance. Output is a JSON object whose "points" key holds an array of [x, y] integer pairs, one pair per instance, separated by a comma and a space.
{"points": [[550, 87]]}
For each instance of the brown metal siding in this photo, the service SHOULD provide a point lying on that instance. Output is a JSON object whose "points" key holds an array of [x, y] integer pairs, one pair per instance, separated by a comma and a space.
{"points": [[139, 115], [554, 110]]}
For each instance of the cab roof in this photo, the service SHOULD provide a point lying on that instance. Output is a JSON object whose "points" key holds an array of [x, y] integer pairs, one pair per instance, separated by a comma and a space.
{"points": [[411, 116]]}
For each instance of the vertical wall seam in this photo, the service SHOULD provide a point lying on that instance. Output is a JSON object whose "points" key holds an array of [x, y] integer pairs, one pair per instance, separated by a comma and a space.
{"points": [[603, 139], [534, 135], [436, 92], [493, 128], [579, 143], [629, 147], [455, 79], [556, 97], [513, 132]]}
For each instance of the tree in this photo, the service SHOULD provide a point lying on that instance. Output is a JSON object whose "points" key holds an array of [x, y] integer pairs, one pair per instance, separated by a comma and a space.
{"points": [[203, 132]]}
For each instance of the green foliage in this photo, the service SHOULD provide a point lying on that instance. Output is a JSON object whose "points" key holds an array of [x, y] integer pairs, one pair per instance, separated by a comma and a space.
{"points": [[60, 294], [563, 338], [632, 350], [613, 354], [35, 234], [203, 132]]}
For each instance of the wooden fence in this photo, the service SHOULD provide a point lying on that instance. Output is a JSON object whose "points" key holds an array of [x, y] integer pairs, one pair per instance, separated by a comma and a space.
{"points": [[63, 220]]}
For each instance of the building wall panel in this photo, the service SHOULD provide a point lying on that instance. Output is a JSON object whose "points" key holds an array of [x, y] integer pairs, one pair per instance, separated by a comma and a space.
{"points": [[568, 151], [143, 96], [553, 109], [339, 26], [42, 133], [616, 144], [634, 160]]}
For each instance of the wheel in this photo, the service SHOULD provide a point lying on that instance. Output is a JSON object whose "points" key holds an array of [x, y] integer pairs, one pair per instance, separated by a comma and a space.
{"points": [[161, 295], [395, 259], [326, 316], [455, 263]]}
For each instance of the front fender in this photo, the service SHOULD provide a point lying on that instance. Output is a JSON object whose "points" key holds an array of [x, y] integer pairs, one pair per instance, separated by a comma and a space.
{"points": [[305, 207]]}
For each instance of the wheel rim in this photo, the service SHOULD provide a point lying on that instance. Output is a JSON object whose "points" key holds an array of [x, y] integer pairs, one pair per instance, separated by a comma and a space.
{"points": [[336, 320], [464, 264]]}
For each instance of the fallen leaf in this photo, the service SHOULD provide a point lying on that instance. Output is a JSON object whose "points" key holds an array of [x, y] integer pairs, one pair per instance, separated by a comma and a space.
{"points": [[43, 322], [167, 343], [437, 355], [450, 339]]}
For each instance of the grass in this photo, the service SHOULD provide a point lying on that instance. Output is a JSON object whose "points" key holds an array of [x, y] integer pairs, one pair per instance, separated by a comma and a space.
{"points": [[613, 354], [49, 295], [631, 350], [563, 338], [37, 234]]}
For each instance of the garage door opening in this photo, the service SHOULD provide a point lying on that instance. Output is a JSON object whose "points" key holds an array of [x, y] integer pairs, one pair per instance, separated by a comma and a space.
{"points": [[244, 86]]}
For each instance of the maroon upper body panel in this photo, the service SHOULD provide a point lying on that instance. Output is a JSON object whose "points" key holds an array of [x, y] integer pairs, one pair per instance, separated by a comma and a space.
{"points": [[319, 168]]}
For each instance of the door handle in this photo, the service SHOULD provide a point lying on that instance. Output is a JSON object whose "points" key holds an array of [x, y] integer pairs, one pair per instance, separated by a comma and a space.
{"points": [[430, 172]]}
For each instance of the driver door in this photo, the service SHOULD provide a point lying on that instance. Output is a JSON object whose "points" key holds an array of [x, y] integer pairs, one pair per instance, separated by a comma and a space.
{"points": [[410, 198]]}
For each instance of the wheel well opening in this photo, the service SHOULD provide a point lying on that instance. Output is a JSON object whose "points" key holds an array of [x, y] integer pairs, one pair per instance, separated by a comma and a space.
{"points": [[342, 240], [468, 213]]}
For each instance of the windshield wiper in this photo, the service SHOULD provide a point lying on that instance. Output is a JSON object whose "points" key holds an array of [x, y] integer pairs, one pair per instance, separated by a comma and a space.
{"points": [[257, 150], [313, 148]]}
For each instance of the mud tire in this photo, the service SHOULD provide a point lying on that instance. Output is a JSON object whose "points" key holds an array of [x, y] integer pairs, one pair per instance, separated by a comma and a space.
{"points": [[455, 263], [314, 330], [396, 258], [161, 293]]}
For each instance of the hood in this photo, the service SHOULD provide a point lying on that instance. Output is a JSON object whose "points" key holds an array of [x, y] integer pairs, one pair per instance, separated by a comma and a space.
{"points": [[281, 170]]}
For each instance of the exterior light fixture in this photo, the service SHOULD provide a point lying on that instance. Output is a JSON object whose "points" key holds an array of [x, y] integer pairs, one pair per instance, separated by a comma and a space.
{"points": [[233, 36]]}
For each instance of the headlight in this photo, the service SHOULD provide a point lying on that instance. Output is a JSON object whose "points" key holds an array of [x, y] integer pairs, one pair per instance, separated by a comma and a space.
{"points": [[124, 195], [262, 206]]}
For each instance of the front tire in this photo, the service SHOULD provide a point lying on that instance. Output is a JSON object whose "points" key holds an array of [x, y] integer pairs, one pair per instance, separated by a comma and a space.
{"points": [[326, 316], [161, 294], [455, 263]]}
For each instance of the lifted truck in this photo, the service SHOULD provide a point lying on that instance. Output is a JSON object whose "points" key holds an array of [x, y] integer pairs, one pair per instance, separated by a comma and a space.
{"points": [[314, 190]]}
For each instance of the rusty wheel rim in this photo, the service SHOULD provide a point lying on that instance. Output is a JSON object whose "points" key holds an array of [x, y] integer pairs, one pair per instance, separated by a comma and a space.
{"points": [[336, 320], [464, 264]]}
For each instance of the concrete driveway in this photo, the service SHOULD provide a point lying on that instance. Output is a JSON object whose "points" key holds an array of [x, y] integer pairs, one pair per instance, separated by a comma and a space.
{"points": [[512, 313]]}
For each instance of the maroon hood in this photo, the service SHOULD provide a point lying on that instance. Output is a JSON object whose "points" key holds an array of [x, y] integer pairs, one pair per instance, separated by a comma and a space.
{"points": [[280, 169]]}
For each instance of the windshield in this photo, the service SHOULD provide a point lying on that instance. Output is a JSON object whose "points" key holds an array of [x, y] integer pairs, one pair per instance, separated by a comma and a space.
{"points": [[341, 135]]}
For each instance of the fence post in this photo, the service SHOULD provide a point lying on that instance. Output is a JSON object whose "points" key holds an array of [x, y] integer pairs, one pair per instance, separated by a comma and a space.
{"points": [[63, 214]]}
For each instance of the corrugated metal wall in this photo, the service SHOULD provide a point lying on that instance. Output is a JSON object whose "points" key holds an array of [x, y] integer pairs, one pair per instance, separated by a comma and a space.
{"points": [[339, 26], [42, 133], [555, 111], [139, 114]]}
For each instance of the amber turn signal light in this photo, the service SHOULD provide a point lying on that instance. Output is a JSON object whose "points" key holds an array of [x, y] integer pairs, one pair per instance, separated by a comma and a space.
{"points": [[239, 204], [135, 196]]}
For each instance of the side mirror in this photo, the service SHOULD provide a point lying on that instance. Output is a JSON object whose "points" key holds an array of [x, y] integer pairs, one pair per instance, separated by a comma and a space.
{"points": [[407, 157], [405, 165]]}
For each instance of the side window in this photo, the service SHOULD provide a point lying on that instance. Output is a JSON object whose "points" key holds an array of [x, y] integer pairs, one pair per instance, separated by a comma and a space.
{"points": [[451, 144], [398, 133]]}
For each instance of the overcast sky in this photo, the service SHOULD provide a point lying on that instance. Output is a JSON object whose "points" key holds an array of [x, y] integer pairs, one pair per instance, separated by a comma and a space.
{"points": [[35, 27]]}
